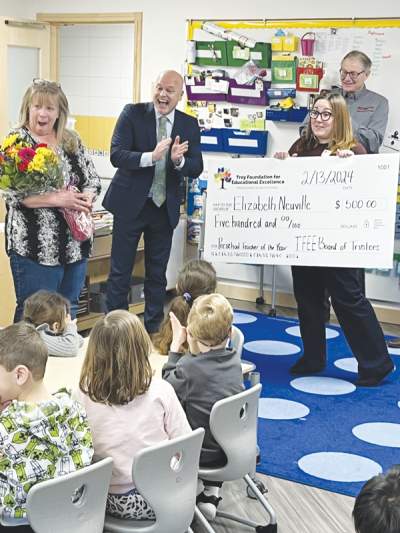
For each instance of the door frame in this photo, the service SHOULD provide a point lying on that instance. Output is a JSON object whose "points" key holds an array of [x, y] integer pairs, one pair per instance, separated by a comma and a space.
{"points": [[63, 19]]}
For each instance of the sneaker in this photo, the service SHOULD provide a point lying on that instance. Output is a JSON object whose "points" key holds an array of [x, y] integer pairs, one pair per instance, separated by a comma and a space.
{"points": [[208, 505], [374, 381]]}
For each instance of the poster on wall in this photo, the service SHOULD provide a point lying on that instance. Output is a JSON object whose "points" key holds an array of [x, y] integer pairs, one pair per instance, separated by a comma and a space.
{"points": [[312, 211]]}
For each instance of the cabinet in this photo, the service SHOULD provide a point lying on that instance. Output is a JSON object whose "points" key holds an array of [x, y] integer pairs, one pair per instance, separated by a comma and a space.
{"points": [[98, 269]]}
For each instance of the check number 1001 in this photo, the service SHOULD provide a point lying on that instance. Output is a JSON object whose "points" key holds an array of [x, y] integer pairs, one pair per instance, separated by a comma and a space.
{"points": [[363, 204]]}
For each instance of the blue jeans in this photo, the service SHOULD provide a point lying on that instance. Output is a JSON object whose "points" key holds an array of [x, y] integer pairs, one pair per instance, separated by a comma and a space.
{"points": [[30, 277]]}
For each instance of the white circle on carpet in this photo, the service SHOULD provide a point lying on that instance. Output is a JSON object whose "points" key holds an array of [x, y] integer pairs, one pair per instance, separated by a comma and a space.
{"points": [[349, 364], [295, 331], [279, 409], [242, 318], [380, 433], [272, 347], [322, 385], [338, 466], [394, 351]]}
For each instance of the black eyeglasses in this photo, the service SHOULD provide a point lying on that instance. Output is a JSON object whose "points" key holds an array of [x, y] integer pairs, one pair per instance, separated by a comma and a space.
{"points": [[40, 81], [353, 75], [325, 115]]}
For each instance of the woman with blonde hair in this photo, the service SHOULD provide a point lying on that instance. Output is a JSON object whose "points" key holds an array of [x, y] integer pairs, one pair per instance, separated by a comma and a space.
{"points": [[329, 133], [44, 253], [127, 407]]}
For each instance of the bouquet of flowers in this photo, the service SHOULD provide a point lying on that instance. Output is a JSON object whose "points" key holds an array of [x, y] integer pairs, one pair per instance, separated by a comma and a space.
{"points": [[27, 169]]}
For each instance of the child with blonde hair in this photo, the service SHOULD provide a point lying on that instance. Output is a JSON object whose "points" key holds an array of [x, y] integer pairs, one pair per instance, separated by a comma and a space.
{"points": [[205, 375], [43, 435], [49, 313], [195, 279], [127, 406]]}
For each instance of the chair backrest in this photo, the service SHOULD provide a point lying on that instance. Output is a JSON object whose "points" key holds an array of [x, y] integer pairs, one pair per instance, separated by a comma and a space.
{"points": [[237, 341], [169, 486], [49, 505], [233, 423]]}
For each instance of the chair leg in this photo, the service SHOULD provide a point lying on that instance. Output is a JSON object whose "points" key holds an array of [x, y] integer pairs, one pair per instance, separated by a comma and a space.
{"points": [[261, 499], [198, 514]]}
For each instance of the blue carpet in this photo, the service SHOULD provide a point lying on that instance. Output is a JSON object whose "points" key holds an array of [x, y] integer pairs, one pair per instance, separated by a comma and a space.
{"points": [[320, 430]]}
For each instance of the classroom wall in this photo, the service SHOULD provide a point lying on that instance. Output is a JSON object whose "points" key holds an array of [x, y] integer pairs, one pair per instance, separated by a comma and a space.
{"points": [[164, 35]]}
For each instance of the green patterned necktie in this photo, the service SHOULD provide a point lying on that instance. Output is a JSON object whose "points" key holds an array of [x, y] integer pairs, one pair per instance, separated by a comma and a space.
{"points": [[160, 174]]}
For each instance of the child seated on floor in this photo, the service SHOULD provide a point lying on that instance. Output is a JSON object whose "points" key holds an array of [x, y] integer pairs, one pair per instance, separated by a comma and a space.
{"points": [[49, 313], [42, 435], [377, 507], [128, 408], [205, 375], [195, 279]]}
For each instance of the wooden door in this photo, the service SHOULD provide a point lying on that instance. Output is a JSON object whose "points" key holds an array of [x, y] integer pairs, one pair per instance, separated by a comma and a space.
{"points": [[24, 55]]}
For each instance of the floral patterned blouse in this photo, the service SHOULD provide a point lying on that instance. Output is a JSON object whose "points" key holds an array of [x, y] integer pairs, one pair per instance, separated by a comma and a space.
{"points": [[42, 234]]}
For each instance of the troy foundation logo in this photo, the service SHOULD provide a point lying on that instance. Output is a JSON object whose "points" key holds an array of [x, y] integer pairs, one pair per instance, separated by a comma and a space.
{"points": [[222, 176]]}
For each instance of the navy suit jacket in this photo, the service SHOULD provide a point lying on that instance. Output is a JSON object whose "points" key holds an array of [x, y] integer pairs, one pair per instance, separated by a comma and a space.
{"points": [[135, 133]]}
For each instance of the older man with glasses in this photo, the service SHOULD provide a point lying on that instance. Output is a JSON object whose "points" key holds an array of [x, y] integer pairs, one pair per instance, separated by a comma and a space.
{"points": [[368, 110]]}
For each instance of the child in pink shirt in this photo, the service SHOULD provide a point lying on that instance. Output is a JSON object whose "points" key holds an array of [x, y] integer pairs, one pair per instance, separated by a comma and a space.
{"points": [[127, 407]]}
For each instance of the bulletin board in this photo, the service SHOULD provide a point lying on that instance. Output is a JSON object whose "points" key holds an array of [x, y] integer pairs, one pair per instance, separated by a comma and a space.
{"points": [[378, 39]]}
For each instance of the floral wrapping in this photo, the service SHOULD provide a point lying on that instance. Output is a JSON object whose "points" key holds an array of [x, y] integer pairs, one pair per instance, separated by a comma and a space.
{"points": [[80, 224]]}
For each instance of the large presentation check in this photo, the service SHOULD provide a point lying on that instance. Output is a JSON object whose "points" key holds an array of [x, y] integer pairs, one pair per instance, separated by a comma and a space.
{"points": [[319, 211]]}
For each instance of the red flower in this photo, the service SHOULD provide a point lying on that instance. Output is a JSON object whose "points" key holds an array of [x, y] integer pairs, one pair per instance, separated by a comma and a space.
{"points": [[26, 155], [1, 159], [41, 145], [23, 166]]}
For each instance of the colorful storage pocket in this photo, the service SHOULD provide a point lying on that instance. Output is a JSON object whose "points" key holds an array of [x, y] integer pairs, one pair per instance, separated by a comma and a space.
{"points": [[283, 69], [260, 53], [211, 53], [196, 90], [290, 43], [254, 94], [276, 43], [212, 140], [308, 79]]}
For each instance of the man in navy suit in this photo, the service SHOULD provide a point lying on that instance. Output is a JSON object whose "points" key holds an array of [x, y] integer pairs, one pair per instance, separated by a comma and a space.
{"points": [[153, 146]]}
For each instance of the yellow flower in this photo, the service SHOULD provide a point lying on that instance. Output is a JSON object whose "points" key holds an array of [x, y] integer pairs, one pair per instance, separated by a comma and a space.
{"points": [[8, 141], [37, 163], [45, 152]]}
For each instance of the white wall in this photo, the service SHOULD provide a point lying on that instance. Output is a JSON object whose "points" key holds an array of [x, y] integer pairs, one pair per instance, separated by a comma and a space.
{"points": [[164, 35], [20, 9]]}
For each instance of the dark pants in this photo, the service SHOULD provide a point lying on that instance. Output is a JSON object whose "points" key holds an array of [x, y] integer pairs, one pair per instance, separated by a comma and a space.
{"points": [[154, 223], [354, 313], [327, 303], [30, 277], [218, 463]]}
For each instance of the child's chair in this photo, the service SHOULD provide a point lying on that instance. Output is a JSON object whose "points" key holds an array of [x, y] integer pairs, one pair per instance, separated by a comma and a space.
{"points": [[50, 505], [233, 423], [237, 340], [169, 489]]}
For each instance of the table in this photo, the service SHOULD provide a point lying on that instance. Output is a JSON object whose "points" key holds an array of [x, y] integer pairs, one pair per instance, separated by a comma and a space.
{"points": [[65, 371]]}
